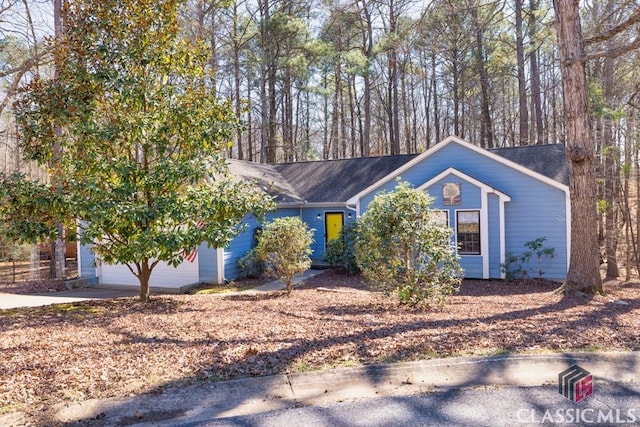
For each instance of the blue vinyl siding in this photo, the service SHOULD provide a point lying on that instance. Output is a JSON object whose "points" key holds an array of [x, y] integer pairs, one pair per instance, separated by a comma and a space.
{"points": [[238, 248], [310, 217], [470, 195], [472, 266], [207, 264], [536, 209], [244, 242], [528, 218]]}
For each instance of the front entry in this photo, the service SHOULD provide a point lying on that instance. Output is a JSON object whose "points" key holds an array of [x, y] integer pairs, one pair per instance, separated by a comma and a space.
{"points": [[333, 222]]}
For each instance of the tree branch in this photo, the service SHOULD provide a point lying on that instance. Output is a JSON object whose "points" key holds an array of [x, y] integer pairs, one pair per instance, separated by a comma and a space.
{"points": [[609, 34], [614, 53]]}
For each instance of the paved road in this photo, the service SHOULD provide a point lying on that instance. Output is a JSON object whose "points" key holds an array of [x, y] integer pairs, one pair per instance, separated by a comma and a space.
{"points": [[611, 404], [471, 391]]}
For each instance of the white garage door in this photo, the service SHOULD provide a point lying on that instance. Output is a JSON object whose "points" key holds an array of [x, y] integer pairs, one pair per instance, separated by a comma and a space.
{"points": [[163, 275]]}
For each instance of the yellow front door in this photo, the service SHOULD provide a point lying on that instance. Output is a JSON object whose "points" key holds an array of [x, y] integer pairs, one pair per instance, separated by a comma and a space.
{"points": [[333, 225]]}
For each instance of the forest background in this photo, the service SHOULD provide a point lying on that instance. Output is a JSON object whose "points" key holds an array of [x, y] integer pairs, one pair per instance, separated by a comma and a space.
{"points": [[329, 80]]}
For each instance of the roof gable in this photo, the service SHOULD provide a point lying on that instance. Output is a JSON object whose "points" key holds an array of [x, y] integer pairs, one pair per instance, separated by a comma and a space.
{"points": [[347, 180], [465, 177], [528, 157]]}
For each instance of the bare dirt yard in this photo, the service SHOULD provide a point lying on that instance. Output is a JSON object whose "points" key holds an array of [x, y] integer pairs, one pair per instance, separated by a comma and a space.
{"points": [[122, 347]]}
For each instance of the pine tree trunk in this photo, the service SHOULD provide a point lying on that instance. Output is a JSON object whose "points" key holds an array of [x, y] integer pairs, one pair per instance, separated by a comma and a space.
{"points": [[584, 268], [58, 248], [522, 83], [367, 42], [536, 102]]}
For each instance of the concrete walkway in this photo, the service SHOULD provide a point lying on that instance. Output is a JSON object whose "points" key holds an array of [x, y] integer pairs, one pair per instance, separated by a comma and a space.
{"points": [[8, 301], [198, 403], [81, 294], [278, 285]]}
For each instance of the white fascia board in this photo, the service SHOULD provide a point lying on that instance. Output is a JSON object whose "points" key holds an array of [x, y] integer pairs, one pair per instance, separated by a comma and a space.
{"points": [[475, 148], [313, 205], [452, 171], [503, 238]]}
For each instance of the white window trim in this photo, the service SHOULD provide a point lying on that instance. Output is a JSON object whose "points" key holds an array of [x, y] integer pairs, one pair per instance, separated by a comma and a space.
{"points": [[481, 225], [485, 190]]}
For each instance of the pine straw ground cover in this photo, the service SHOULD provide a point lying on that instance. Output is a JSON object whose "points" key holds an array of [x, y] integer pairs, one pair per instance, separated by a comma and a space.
{"points": [[122, 347]]}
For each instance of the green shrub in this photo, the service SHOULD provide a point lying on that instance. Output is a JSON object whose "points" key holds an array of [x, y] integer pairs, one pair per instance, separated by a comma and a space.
{"points": [[401, 248], [251, 265], [340, 251], [284, 245], [515, 266]]}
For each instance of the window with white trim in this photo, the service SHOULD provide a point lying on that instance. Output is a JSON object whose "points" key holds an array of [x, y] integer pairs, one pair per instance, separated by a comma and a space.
{"points": [[468, 232]]}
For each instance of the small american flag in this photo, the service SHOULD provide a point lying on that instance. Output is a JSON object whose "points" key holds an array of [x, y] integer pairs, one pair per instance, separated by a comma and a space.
{"points": [[191, 256]]}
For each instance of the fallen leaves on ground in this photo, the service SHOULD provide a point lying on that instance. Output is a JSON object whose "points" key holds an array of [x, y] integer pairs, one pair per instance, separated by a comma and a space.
{"points": [[121, 347], [33, 286]]}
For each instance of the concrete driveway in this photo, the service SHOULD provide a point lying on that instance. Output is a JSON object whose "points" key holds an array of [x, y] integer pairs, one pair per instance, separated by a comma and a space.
{"points": [[35, 300], [82, 294]]}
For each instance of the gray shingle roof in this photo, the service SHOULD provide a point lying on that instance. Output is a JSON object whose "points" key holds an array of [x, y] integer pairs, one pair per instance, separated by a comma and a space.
{"points": [[267, 178], [338, 180], [335, 181], [549, 160]]}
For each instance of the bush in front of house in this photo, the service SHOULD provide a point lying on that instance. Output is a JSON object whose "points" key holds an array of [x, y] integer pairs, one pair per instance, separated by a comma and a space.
{"points": [[515, 267], [340, 251], [284, 245], [251, 265], [401, 248]]}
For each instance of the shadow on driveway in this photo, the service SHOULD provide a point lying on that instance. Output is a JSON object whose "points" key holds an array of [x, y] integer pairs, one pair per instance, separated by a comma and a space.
{"points": [[9, 301]]}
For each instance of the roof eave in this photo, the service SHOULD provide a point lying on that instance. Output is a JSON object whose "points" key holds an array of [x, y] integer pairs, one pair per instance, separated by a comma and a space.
{"points": [[445, 142], [311, 205]]}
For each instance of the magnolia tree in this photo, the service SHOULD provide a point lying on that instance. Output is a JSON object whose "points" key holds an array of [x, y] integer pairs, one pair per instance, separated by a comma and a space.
{"points": [[285, 246], [402, 249], [138, 134]]}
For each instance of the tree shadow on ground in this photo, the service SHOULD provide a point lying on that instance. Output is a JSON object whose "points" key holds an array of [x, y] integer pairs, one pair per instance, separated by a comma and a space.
{"points": [[360, 343], [90, 312], [502, 287]]}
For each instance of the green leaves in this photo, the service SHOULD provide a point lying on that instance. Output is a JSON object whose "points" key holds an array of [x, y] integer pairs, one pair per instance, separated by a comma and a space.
{"points": [[401, 248], [30, 209], [141, 135], [285, 246]]}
